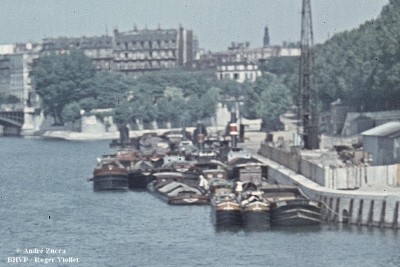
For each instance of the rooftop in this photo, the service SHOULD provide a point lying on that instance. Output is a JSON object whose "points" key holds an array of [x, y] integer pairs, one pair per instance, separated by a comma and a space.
{"points": [[389, 129], [146, 35]]}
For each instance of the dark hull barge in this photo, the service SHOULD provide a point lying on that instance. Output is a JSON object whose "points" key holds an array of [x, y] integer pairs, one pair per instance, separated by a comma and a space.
{"points": [[298, 212], [256, 214], [140, 174], [226, 214], [290, 207], [139, 180], [110, 176], [225, 208]]}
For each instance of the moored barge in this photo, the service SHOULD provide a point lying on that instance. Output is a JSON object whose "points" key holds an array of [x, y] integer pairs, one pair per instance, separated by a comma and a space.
{"points": [[169, 187], [290, 207], [110, 175], [256, 211], [140, 174], [225, 208]]}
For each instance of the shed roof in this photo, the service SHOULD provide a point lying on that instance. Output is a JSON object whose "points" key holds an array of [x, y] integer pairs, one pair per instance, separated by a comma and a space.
{"points": [[389, 129]]}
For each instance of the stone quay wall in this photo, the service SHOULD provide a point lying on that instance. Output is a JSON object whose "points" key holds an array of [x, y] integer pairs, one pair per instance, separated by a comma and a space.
{"points": [[374, 208], [367, 195], [349, 177]]}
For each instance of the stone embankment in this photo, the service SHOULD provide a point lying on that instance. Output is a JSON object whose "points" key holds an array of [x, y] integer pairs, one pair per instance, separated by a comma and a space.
{"points": [[372, 205], [78, 136]]}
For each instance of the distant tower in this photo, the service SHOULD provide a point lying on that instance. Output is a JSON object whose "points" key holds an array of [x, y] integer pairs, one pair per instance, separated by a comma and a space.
{"points": [[307, 91], [266, 37]]}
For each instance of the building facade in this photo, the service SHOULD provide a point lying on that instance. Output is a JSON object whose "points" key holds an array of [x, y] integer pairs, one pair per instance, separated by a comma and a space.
{"points": [[133, 52], [16, 63], [98, 48], [148, 50], [240, 62], [242, 52], [238, 71]]}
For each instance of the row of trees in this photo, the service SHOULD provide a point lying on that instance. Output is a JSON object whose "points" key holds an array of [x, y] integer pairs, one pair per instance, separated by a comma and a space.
{"points": [[362, 66], [68, 83]]}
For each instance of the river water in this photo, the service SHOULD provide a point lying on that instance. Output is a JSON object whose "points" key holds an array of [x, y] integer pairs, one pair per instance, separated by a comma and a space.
{"points": [[47, 204]]}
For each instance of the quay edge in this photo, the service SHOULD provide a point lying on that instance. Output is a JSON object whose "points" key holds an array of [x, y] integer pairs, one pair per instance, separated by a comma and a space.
{"points": [[372, 208]]}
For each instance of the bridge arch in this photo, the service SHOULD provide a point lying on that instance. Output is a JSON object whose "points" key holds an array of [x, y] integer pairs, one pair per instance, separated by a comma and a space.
{"points": [[10, 122]]}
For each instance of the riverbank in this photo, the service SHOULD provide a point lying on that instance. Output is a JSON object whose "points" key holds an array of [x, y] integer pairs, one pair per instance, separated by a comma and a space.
{"points": [[373, 205], [78, 136]]}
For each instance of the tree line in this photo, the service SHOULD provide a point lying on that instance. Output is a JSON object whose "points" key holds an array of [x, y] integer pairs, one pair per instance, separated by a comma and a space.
{"points": [[69, 83], [361, 67]]}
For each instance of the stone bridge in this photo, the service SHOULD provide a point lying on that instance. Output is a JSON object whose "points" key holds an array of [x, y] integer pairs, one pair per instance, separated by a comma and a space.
{"points": [[18, 122], [12, 122]]}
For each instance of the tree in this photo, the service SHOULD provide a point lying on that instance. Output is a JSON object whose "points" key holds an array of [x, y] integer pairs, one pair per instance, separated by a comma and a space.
{"points": [[286, 70], [122, 114], [72, 112], [268, 99], [108, 89], [63, 79], [361, 66]]}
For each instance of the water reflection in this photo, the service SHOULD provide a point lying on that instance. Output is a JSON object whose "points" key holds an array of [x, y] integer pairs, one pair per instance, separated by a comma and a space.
{"points": [[361, 229]]}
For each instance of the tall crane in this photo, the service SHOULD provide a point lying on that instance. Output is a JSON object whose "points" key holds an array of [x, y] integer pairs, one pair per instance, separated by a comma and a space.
{"points": [[307, 97]]}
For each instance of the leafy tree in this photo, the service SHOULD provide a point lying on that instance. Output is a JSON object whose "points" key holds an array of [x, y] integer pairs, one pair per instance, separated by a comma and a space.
{"points": [[88, 104], [109, 88], [63, 79], [231, 89], [71, 112], [286, 69], [268, 99], [123, 114], [361, 66]]}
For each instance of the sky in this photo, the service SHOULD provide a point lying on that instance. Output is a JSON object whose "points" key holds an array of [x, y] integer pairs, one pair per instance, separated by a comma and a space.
{"points": [[216, 23]]}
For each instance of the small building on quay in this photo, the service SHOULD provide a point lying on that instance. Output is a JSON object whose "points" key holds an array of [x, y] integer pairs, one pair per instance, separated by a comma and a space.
{"points": [[358, 122], [383, 143]]}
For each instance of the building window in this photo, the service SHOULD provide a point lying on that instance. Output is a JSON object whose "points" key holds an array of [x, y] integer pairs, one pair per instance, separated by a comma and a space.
{"points": [[236, 76]]}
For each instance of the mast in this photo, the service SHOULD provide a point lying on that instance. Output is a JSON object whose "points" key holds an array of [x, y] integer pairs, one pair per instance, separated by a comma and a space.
{"points": [[307, 98]]}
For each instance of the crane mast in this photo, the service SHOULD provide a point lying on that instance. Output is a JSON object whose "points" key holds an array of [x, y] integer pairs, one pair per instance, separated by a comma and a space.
{"points": [[307, 98]]}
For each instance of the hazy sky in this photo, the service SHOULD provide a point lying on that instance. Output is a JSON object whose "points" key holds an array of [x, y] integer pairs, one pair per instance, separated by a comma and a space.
{"points": [[215, 22]]}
